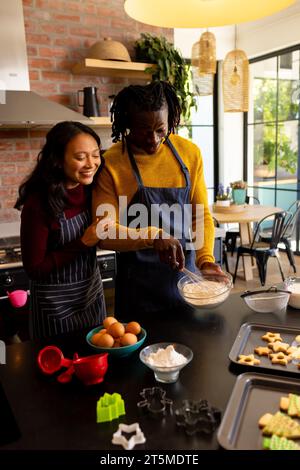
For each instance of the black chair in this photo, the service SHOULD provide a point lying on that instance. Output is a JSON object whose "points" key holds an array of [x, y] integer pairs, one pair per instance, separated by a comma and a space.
{"points": [[288, 232], [224, 249], [233, 234], [262, 251]]}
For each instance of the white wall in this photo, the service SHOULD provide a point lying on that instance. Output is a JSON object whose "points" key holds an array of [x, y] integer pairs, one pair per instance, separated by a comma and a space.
{"points": [[272, 33], [255, 38]]}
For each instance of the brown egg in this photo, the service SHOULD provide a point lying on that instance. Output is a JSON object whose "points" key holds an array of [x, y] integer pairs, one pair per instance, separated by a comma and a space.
{"points": [[95, 338], [109, 321], [104, 341], [116, 330], [117, 343], [133, 327], [128, 339]]}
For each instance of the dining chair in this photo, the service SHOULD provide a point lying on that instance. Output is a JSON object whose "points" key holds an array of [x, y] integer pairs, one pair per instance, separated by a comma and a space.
{"points": [[288, 232], [233, 234], [262, 251], [224, 248]]}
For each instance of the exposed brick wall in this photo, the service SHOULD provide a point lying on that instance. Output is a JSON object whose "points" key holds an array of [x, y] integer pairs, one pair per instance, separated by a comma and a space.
{"points": [[58, 34]]}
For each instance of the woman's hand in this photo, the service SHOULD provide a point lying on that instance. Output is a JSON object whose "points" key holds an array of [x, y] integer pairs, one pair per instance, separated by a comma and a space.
{"points": [[213, 269], [90, 236], [170, 251]]}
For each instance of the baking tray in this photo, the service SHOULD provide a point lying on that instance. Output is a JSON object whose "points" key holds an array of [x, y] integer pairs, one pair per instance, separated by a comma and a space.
{"points": [[249, 337], [253, 395]]}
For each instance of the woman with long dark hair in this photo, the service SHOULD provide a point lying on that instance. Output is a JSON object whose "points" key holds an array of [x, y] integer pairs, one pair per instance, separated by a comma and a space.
{"points": [[58, 238]]}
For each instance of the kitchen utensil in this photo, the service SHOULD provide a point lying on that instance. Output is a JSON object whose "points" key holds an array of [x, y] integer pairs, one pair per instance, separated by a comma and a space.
{"points": [[267, 301], [50, 359], [166, 374], [17, 298], [120, 352], [91, 369], [90, 101], [293, 285], [194, 277], [66, 376], [249, 338]]}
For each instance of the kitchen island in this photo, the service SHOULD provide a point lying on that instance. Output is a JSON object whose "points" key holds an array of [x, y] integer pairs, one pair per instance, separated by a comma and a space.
{"points": [[53, 416]]}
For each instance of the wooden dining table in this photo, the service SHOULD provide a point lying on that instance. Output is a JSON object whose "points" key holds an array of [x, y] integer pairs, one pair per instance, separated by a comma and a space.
{"points": [[245, 217]]}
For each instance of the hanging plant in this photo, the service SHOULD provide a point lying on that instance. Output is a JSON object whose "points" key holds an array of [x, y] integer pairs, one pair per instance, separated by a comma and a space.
{"points": [[170, 66]]}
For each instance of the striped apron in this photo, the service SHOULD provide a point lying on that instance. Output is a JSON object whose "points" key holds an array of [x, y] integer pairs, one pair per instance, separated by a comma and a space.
{"points": [[144, 284], [72, 297]]}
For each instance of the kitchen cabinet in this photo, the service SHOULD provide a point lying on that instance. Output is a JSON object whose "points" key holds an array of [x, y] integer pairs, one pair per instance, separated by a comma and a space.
{"points": [[112, 68]]}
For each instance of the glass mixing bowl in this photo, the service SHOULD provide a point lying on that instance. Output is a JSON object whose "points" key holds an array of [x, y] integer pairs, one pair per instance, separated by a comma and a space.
{"points": [[163, 373], [267, 301], [209, 292], [293, 285]]}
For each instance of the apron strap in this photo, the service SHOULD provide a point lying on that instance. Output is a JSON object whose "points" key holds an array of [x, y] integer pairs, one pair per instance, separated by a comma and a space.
{"points": [[137, 174], [178, 158], [134, 165]]}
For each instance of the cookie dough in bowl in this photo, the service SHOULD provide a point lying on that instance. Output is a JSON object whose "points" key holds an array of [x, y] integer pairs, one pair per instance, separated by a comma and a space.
{"points": [[209, 292]]}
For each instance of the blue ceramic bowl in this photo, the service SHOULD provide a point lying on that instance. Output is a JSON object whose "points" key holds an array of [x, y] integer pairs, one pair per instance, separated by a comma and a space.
{"points": [[123, 351]]}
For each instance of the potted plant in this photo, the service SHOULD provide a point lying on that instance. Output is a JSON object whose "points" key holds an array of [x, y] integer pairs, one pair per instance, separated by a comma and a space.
{"points": [[223, 197], [238, 191], [169, 66]]}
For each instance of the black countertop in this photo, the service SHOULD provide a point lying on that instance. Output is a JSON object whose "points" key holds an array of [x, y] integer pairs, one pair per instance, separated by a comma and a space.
{"points": [[51, 415]]}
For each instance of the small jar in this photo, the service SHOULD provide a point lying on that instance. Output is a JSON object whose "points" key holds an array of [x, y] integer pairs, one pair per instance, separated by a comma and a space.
{"points": [[110, 103]]}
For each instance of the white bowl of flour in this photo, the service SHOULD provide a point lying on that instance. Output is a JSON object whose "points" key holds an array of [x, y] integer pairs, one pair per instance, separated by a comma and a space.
{"points": [[166, 360]]}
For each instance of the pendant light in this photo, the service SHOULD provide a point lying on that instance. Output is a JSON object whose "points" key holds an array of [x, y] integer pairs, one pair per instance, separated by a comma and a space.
{"points": [[201, 13], [204, 64], [235, 75], [207, 53]]}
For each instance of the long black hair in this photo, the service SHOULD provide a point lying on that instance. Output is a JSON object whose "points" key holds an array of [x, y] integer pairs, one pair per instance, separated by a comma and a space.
{"points": [[48, 176], [150, 97]]}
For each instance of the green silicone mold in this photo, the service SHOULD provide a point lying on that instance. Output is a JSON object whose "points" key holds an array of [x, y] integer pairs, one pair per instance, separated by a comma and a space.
{"points": [[110, 407]]}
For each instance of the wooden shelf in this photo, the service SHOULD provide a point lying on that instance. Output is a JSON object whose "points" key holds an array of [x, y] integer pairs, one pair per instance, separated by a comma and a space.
{"points": [[102, 121], [112, 68]]}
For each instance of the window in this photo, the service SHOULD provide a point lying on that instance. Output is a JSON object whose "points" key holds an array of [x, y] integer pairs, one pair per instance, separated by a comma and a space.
{"points": [[272, 130], [201, 129]]}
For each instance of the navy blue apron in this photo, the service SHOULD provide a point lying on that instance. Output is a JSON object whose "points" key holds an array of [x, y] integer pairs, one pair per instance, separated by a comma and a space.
{"points": [[72, 297], [144, 284]]}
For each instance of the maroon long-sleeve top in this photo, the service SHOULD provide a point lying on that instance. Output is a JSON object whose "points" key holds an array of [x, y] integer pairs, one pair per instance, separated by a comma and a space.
{"points": [[40, 231]]}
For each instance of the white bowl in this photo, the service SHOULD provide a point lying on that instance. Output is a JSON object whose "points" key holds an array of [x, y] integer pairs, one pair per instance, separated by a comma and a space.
{"points": [[166, 374], [267, 301], [210, 292], [293, 285]]}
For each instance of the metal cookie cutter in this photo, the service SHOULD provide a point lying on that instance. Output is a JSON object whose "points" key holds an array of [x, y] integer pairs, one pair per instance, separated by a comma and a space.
{"points": [[155, 402], [137, 438], [197, 416]]}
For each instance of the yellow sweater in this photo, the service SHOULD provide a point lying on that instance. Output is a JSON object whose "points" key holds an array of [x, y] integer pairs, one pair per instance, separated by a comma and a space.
{"points": [[158, 170]]}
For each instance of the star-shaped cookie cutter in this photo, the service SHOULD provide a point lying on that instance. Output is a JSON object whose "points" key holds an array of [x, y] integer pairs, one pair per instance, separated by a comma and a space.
{"points": [[128, 444], [197, 416], [155, 402]]}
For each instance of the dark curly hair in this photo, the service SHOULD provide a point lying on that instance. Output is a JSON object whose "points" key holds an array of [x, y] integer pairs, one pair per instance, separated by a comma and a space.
{"points": [[150, 97], [47, 178]]}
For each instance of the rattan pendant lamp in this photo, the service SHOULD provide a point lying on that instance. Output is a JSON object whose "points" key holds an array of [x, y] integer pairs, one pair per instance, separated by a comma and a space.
{"points": [[204, 64], [235, 76]]}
